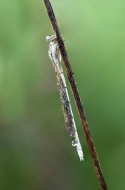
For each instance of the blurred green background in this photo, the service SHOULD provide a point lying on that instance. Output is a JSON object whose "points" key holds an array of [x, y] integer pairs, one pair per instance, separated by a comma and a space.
{"points": [[35, 148]]}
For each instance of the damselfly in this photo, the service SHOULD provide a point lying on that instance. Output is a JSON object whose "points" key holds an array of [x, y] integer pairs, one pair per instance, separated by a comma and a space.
{"points": [[55, 57]]}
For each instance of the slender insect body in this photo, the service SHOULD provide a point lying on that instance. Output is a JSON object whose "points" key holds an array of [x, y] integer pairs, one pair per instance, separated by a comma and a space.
{"points": [[55, 57], [66, 107]]}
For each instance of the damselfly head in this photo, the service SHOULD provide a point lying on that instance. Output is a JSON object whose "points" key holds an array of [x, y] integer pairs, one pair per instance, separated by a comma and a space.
{"points": [[50, 38]]}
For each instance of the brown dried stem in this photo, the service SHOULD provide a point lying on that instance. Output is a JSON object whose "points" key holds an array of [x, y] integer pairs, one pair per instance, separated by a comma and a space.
{"points": [[75, 92]]}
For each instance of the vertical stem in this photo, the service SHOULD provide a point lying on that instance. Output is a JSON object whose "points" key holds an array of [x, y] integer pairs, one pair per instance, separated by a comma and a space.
{"points": [[75, 92]]}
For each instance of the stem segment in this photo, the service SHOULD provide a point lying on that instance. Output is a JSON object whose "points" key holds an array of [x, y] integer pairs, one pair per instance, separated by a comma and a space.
{"points": [[75, 92]]}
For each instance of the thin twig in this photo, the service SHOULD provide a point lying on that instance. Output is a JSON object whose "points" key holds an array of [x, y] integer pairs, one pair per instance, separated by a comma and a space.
{"points": [[75, 92]]}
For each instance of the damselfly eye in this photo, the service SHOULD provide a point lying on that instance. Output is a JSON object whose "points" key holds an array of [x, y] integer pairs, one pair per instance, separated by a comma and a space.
{"points": [[48, 38]]}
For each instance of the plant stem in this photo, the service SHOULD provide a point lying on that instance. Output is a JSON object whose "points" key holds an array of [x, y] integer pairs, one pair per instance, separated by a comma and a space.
{"points": [[75, 92]]}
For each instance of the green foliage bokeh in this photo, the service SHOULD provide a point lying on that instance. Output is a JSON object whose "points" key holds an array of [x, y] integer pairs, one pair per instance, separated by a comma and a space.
{"points": [[35, 149]]}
